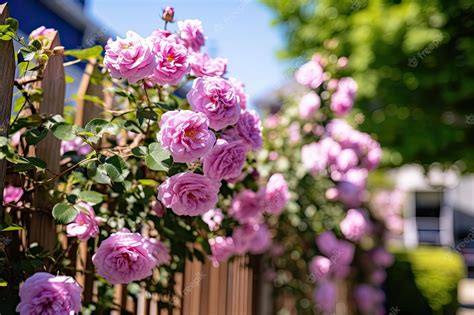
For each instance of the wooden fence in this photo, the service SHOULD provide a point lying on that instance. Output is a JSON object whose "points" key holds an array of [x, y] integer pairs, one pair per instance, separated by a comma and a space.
{"points": [[229, 289]]}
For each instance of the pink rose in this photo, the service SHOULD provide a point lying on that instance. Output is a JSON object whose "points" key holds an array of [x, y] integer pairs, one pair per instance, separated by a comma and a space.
{"points": [[368, 298], [159, 251], [221, 248], [225, 160], [294, 133], [41, 31], [249, 128], [202, 65], [168, 14], [325, 297], [240, 90], [130, 58], [346, 160], [186, 135], [15, 138], [340, 252], [247, 206], [276, 194], [343, 99], [189, 193], [171, 61], [213, 218], [85, 224], [355, 225], [43, 293], [158, 209], [216, 98], [124, 257], [310, 75], [349, 194], [12, 194], [192, 34], [251, 238], [314, 157], [382, 258], [76, 144], [308, 105], [319, 268]]}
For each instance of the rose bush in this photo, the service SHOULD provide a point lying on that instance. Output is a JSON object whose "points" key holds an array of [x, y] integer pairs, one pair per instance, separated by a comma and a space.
{"points": [[154, 181], [327, 237]]}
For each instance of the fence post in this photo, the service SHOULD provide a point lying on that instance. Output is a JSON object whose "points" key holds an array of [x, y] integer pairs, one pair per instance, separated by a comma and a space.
{"points": [[43, 228], [86, 110], [7, 76]]}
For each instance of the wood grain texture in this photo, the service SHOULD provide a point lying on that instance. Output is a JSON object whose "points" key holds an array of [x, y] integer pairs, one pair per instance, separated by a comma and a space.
{"points": [[7, 76], [42, 229], [86, 110]]}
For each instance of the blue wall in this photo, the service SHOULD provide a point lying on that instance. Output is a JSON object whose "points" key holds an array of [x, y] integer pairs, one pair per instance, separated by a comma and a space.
{"points": [[32, 14]]}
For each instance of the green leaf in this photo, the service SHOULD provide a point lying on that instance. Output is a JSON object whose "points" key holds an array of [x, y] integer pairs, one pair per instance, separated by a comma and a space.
{"points": [[35, 135], [3, 141], [12, 23], [12, 227], [64, 131], [116, 168], [64, 213], [3, 283], [90, 98], [35, 45], [29, 163], [84, 54], [91, 196], [157, 155], [69, 79], [140, 151], [100, 126], [98, 173]]}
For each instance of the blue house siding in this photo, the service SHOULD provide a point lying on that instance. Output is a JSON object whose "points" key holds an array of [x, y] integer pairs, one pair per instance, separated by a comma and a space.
{"points": [[32, 14]]}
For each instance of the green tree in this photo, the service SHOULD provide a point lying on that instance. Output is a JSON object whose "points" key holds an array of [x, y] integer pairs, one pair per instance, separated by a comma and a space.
{"points": [[413, 61]]}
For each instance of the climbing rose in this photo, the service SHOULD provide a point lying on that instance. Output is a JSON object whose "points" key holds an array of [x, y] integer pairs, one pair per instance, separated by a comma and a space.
{"points": [[192, 34], [202, 65], [221, 248], [276, 194], [130, 58], [355, 225], [240, 90], [308, 105], [41, 31], [249, 128], [247, 206], [43, 293], [12, 194], [339, 251], [251, 238], [310, 74], [319, 268], [124, 257], [77, 144], [85, 224], [186, 135], [216, 98], [314, 157], [225, 160], [325, 297], [368, 299], [343, 99], [189, 193], [168, 14], [171, 61], [159, 251], [213, 218]]}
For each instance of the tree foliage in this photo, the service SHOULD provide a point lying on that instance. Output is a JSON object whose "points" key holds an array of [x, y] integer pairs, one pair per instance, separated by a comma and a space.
{"points": [[413, 61]]}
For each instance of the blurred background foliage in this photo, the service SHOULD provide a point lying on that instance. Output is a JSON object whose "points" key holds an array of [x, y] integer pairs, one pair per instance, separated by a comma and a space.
{"points": [[434, 274], [413, 61]]}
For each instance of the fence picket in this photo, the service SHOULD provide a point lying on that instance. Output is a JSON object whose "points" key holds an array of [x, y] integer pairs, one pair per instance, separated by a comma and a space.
{"points": [[43, 228], [7, 76]]}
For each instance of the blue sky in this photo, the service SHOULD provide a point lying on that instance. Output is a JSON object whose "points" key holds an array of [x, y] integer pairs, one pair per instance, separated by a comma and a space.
{"points": [[239, 30]]}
